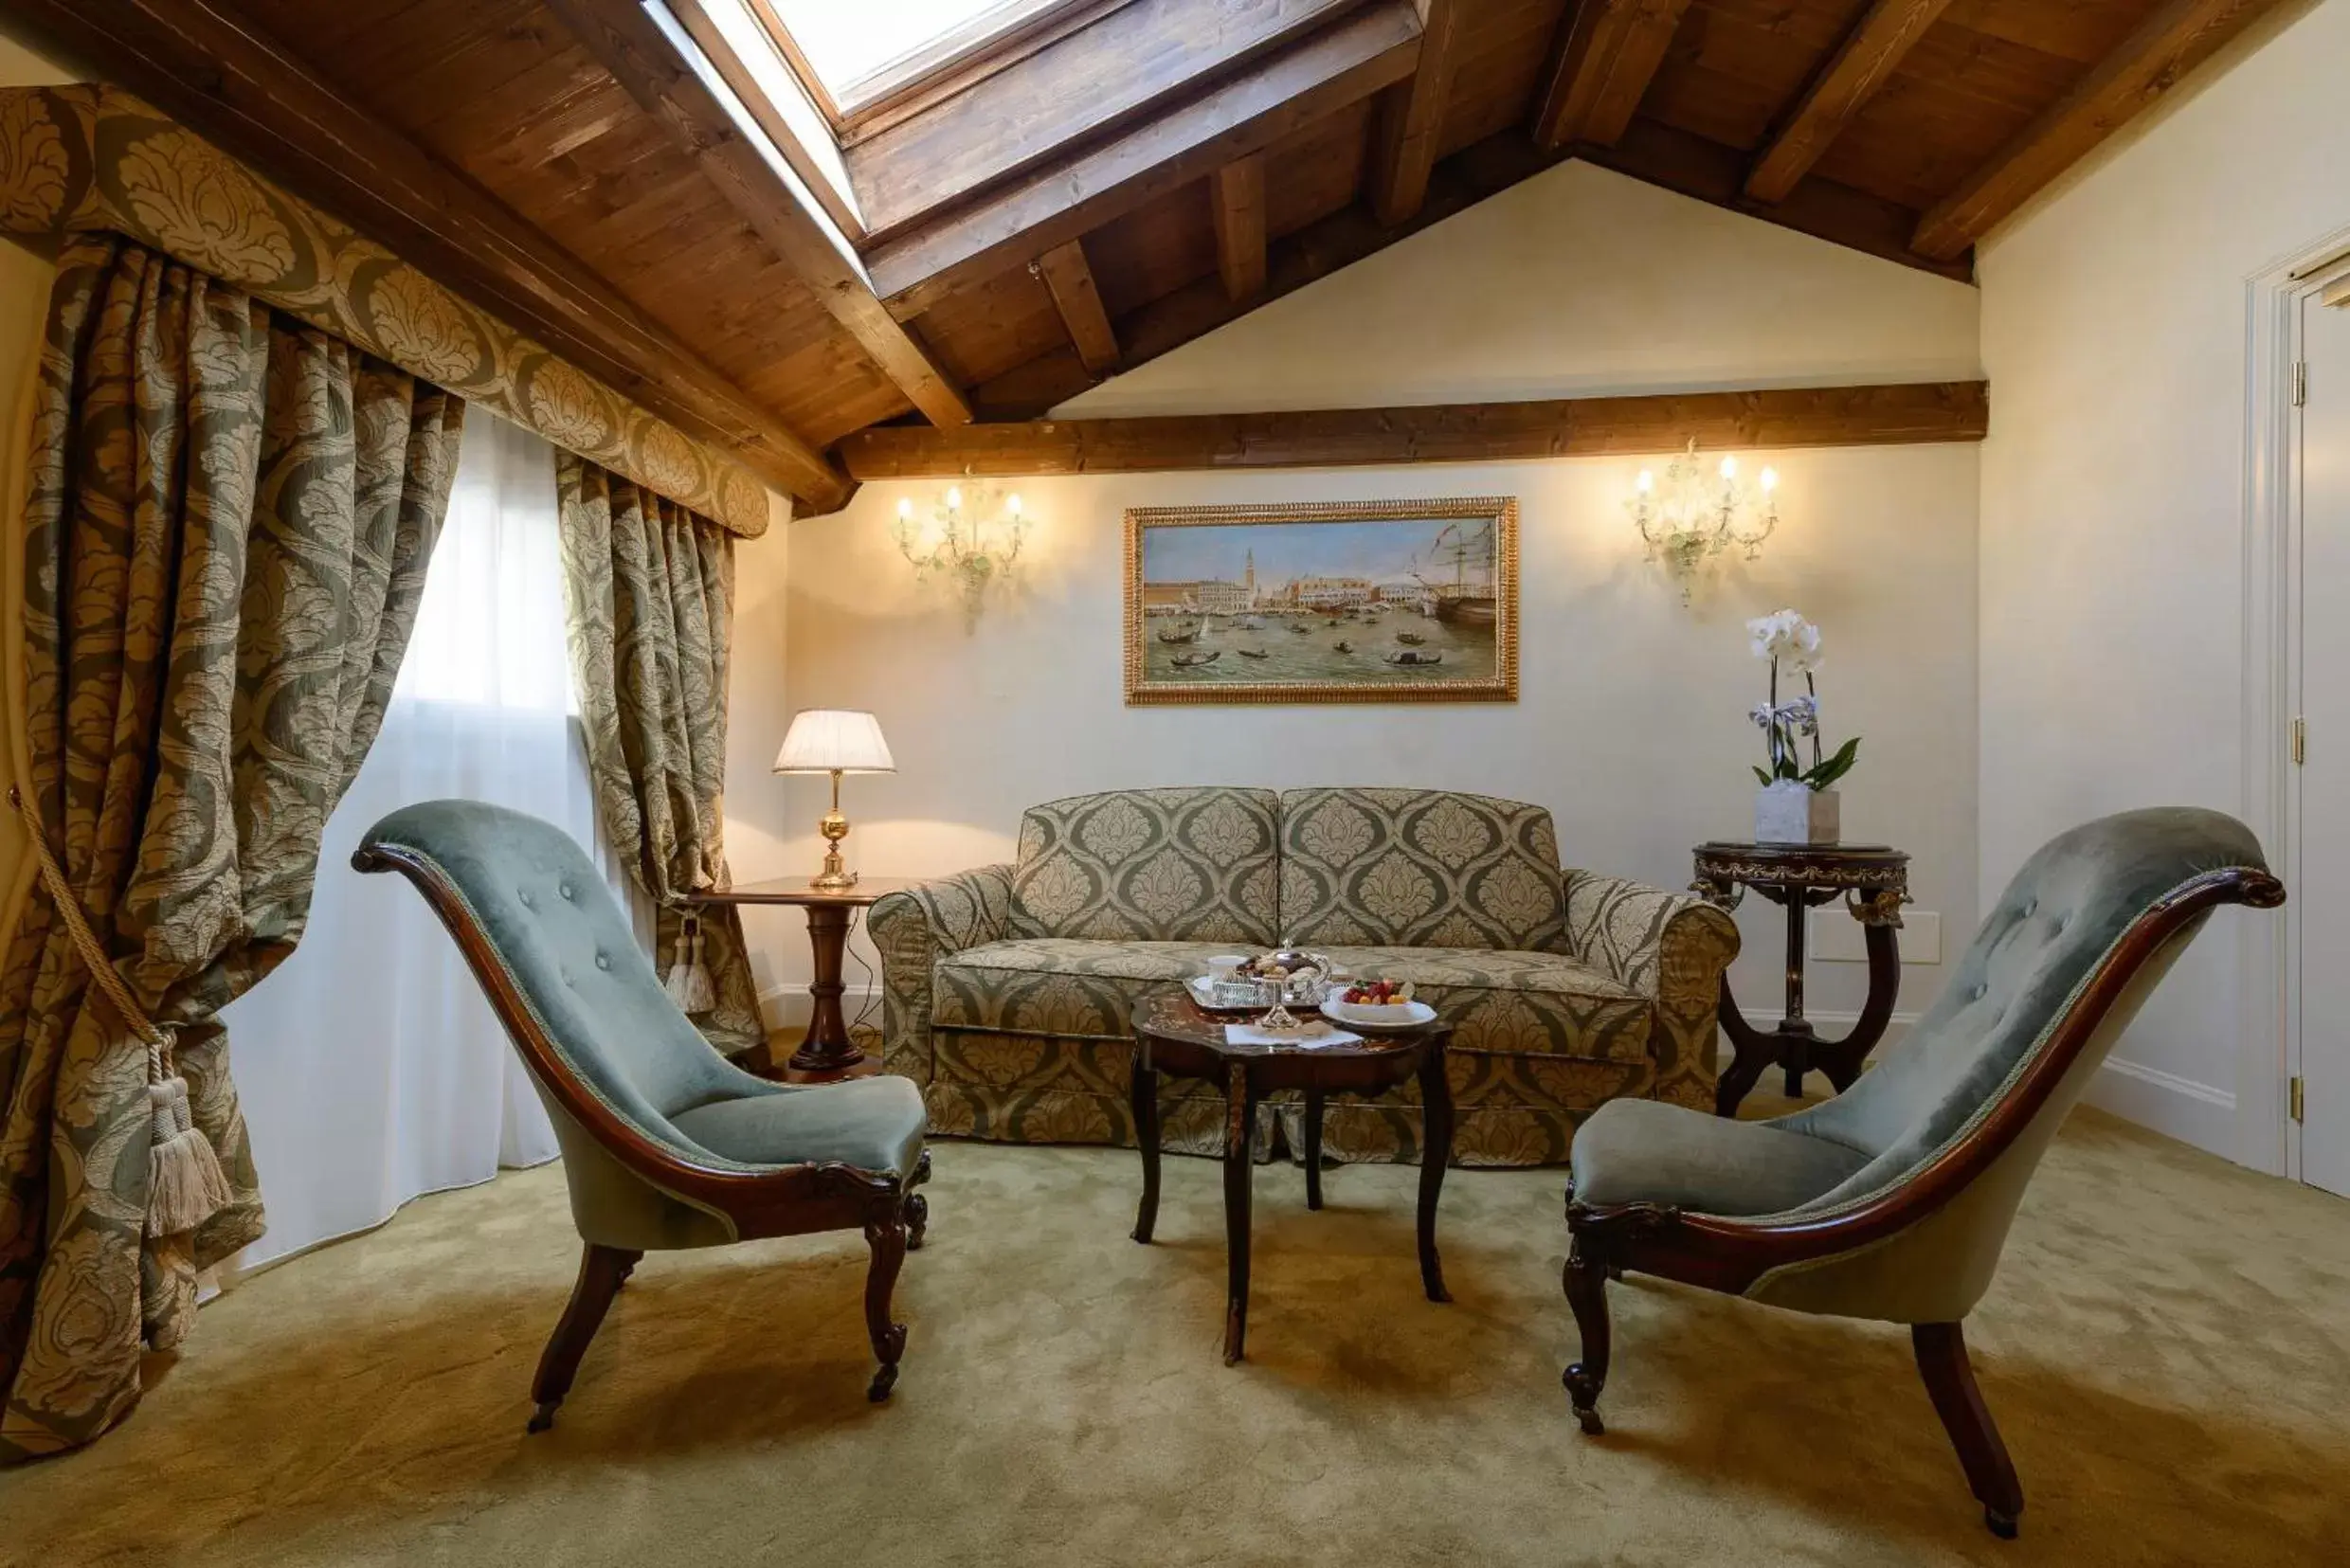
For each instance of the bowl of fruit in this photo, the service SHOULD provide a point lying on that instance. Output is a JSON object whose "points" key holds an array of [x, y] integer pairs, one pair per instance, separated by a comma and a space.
{"points": [[1377, 1004]]}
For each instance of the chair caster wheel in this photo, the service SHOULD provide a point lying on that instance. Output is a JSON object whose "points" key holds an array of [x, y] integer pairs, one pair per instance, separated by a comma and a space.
{"points": [[542, 1418], [883, 1380], [2002, 1525]]}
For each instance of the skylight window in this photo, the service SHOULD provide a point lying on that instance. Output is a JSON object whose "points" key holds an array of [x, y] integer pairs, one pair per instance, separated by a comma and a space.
{"points": [[861, 53]]}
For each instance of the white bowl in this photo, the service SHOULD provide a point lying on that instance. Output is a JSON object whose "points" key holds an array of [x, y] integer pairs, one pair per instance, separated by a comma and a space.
{"points": [[1395, 1015]]}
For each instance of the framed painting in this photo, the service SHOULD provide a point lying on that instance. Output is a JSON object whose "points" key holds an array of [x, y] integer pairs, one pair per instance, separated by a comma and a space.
{"points": [[1341, 601]]}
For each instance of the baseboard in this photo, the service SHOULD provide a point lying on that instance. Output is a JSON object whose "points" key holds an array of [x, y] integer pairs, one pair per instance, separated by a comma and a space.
{"points": [[2162, 1102], [787, 1006]]}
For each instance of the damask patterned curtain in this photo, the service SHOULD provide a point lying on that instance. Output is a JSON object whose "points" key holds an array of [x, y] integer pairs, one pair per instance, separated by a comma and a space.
{"points": [[650, 588], [225, 541]]}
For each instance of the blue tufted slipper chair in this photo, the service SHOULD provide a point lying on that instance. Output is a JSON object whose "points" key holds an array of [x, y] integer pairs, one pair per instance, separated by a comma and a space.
{"points": [[666, 1143], [1893, 1201]]}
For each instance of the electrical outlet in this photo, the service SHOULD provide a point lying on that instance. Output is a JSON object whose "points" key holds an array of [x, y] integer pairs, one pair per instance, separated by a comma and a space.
{"points": [[1837, 938]]}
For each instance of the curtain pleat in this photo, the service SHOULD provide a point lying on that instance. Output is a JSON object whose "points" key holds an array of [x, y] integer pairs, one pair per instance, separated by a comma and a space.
{"points": [[649, 587], [225, 539]]}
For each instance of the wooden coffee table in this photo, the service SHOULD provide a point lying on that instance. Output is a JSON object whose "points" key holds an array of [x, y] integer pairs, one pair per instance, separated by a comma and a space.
{"points": [[1173, 1035]]}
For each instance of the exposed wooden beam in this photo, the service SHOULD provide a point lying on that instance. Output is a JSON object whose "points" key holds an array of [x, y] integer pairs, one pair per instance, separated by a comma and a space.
{"points": [[1609, 51], [233, 84], [1237, 198], [1410, 117], [1861, 64], [1373, 48], [1070, 279], [2169, 44], [1469, 432], [651, 63]]}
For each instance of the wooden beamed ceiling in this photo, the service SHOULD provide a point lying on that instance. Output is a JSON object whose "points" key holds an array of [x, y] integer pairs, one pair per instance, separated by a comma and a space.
{"points": [[568, 164]]}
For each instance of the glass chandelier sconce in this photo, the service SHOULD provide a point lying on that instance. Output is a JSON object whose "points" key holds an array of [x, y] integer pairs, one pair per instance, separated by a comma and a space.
{"points": [[1698, 513], [967, 542]]}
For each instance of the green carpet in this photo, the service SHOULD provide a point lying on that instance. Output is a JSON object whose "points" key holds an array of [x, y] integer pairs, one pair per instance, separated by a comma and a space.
{"points": [[2168, 1349]]}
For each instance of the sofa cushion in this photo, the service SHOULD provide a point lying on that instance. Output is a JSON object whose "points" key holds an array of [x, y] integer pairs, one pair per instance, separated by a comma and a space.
{"points": [[1515, 1004], [1059, 985], [1164, 865], [1424, 867]]}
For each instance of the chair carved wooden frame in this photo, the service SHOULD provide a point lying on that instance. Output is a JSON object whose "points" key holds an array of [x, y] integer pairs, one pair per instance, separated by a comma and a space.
{"points": [[1731, 1255], [798, 1200]]}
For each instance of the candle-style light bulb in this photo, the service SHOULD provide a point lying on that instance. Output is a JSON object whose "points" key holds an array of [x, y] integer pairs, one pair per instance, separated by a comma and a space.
{"points": [[1770, 480], [1646, 482], [905, 509], [1729, 468], [954, 498], [1011, 504]]}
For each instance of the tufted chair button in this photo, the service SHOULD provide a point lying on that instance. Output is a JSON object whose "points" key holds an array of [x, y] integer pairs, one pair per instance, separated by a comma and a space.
{"points": [[528, 901], [565, 890], [1977, 994], [603, 960]]}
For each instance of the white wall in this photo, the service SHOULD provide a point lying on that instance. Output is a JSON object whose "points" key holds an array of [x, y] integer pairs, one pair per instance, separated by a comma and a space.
{"points": [[1632, 721], [2114, 523]]}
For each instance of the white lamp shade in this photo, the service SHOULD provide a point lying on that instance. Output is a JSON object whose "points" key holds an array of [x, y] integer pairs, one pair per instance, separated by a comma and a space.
{"points": [[834, 740]]}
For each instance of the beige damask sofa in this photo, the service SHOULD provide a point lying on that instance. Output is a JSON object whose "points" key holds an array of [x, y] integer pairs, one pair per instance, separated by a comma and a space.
{"points": [[1007, 988]]}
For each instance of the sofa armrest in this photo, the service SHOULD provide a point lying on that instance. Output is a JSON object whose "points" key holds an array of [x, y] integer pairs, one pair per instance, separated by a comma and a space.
{"points": [[913, 930], [1671, 947]]}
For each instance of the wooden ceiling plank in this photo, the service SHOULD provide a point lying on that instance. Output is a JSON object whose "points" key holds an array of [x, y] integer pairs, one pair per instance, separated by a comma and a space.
{"points": [[646, 61], [1237, 201], [2177, 37], [238, 87], [1862, 64], [1121, 69], [1070, 282], [1476, 432], [1374, 49], [1412, 114], [1609, 51]]}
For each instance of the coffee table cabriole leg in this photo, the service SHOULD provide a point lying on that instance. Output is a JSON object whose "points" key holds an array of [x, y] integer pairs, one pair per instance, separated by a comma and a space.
{"points": [[1143, 1095], [1314, 1148], [1435, 1103], [1241, 1116]]}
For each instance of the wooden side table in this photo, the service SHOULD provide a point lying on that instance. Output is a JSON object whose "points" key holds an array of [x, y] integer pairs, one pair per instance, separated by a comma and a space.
{"points": [[1874, 879], [827, 1053]]}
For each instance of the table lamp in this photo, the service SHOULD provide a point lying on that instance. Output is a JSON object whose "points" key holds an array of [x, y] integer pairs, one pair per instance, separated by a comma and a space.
{"points": [[833, 741]]}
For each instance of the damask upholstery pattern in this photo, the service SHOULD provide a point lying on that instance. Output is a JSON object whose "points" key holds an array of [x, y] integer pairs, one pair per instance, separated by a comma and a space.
{"points": [[648, 592], [913, 930], [1152, 865], [89, 159], [229, 519], [1671, 948], [1023, 1037], [1419, 868]]}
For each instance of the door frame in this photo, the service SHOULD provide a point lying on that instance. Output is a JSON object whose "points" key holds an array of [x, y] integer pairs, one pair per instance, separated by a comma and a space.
{"points": [[2268, 950]]}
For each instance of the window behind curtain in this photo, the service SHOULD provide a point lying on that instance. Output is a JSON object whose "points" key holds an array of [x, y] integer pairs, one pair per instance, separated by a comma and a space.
{"points": [[370, 1067]]}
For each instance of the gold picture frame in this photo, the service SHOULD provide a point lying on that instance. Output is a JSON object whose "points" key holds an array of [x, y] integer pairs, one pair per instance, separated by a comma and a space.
{"points": [[1400, 601]]}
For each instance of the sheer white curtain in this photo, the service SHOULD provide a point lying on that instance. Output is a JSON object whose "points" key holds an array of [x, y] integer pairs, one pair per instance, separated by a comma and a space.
{"points": [[370, 1068]]}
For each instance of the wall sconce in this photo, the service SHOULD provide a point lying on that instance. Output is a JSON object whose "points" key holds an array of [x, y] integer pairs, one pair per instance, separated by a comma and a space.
{"points": [[1696, 515], [966, 540]]}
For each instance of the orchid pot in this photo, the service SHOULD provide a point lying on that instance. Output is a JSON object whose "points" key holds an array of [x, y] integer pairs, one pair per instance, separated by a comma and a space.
{"points": [[1798, 804]]}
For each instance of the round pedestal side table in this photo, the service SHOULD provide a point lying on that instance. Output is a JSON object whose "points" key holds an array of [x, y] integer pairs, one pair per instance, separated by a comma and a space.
{"points": [[1873, 880]]}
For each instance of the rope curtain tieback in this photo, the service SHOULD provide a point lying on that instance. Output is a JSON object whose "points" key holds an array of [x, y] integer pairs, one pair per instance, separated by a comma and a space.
{"points": [[185, 1185], [689, 983]]}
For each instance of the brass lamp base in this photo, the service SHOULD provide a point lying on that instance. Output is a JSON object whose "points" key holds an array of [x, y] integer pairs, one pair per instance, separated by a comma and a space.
{"points": [[836, 876]]}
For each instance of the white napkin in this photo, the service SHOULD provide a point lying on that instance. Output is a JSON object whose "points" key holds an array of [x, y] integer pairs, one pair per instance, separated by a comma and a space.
{"points": [[1313, 1036]]}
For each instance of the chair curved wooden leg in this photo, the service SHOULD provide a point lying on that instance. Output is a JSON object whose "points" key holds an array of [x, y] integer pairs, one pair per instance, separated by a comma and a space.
{"points": [[602, 1270], [1950, 1383], [887, 1237], [1586, 1292], [917, 1206]]}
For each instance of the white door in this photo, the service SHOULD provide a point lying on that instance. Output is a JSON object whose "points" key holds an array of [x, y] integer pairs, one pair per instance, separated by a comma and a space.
{"points": [[2321, 915]]}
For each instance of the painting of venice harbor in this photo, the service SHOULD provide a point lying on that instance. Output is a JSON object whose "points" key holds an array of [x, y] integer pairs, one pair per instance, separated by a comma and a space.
{"points": [[1379, 602]]}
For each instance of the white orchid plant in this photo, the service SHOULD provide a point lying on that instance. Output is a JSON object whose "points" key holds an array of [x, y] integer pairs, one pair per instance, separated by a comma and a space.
{"points": [[1792, 645]]}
